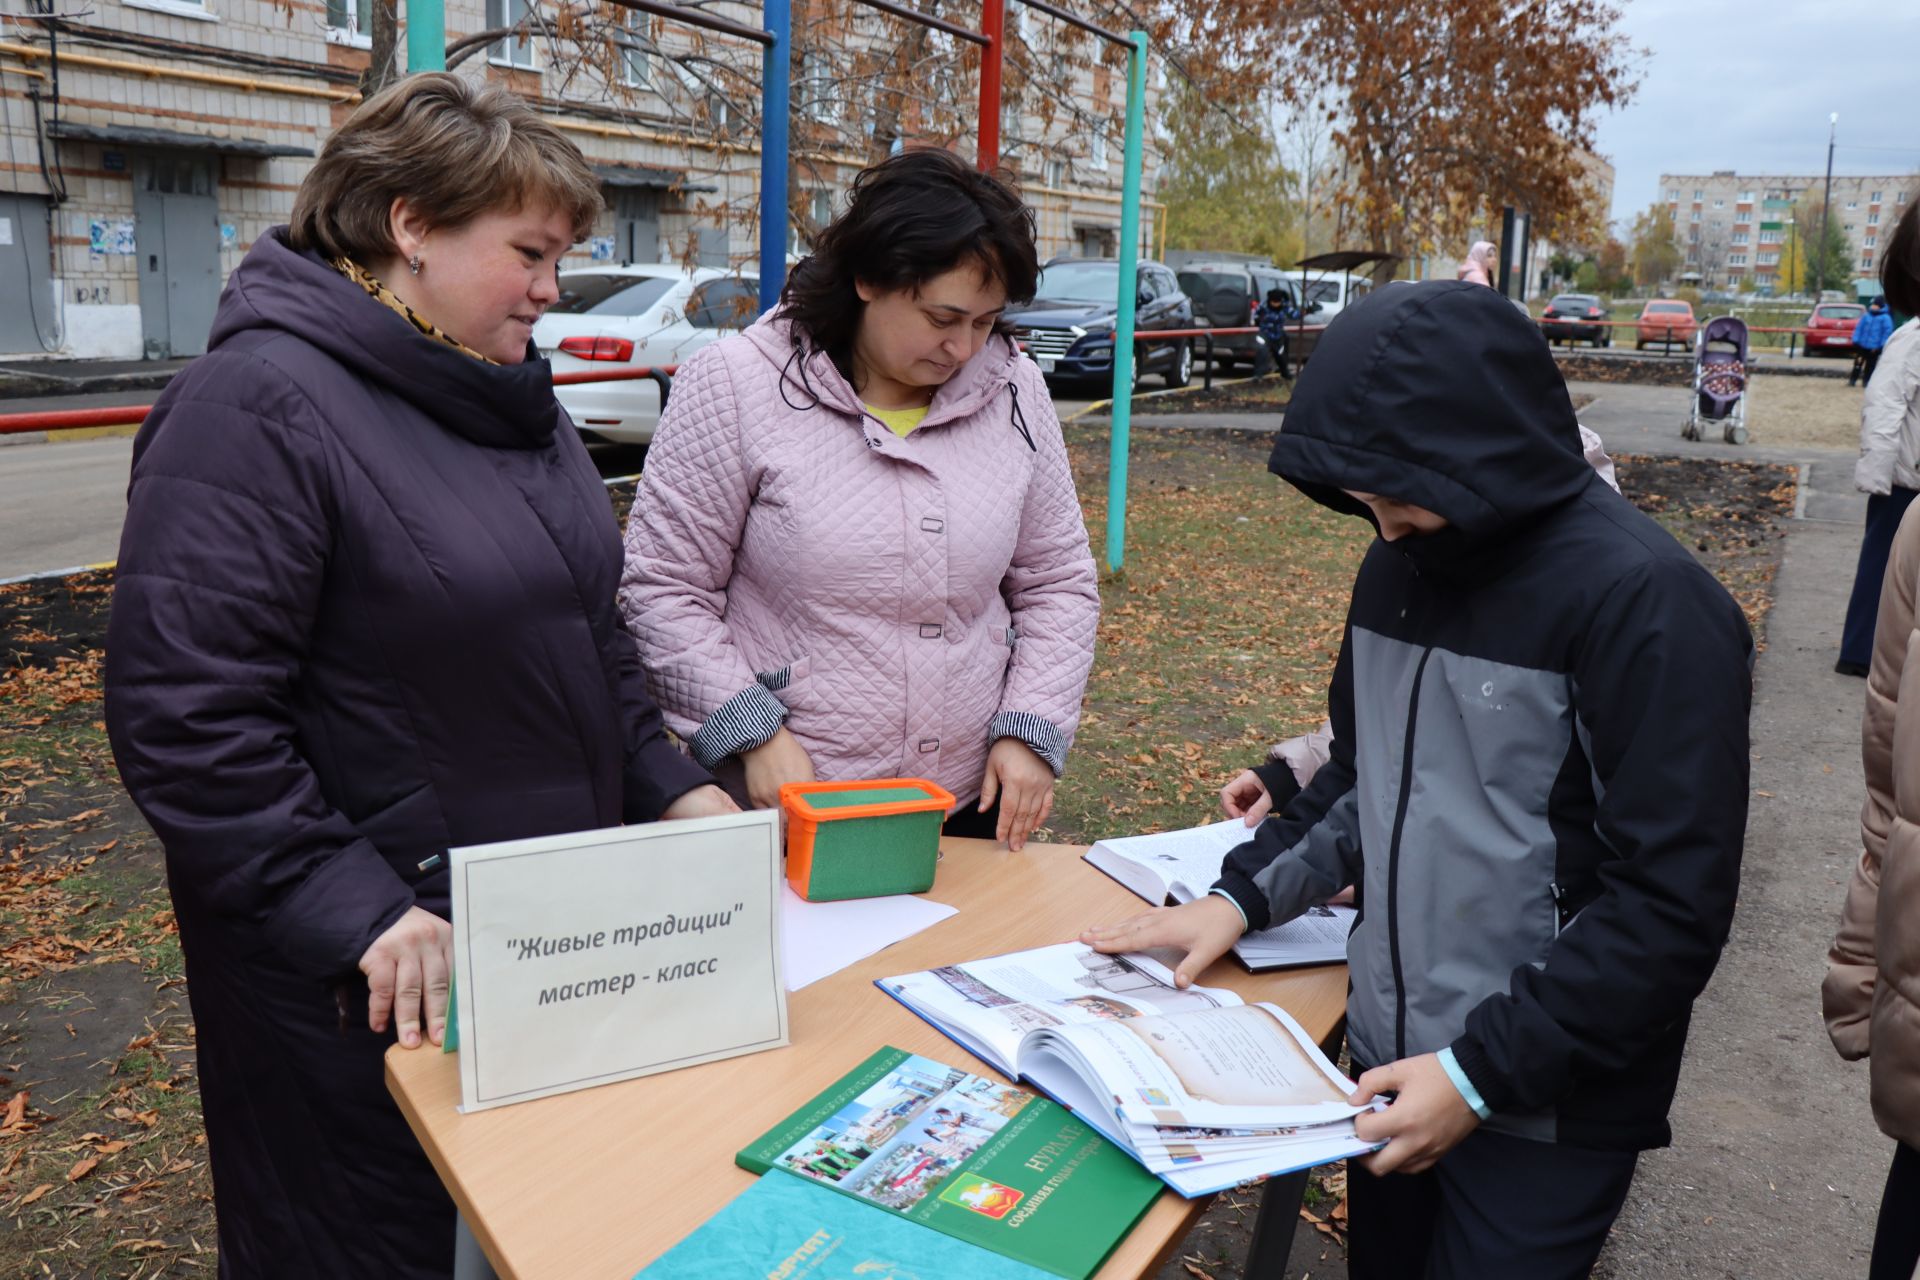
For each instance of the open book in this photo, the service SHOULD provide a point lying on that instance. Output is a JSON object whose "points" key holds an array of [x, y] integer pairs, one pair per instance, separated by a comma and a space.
{"points": [[1183, 865], [1203, 1089]]}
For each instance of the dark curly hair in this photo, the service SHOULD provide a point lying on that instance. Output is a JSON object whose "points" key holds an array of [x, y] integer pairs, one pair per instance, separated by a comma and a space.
{"points": [[908, 219], [1900, 268]]}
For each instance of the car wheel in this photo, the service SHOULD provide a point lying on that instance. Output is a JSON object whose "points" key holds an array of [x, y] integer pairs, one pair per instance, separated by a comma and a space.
{"points": [[1180, 372], [1639, 345]]}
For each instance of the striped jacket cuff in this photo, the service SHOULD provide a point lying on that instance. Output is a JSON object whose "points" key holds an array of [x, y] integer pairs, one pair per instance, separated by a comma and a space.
{"points": [[745, 720], [1471, 1095], [1037, 732]]}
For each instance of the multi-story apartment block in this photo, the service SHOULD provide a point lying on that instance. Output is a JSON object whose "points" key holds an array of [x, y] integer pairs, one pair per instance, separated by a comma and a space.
{"points": [[148, 143], [1732, 227]]}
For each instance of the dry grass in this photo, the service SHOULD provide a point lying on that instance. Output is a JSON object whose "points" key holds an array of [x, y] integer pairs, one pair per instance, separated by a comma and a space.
{"points": [[1820, 413]]}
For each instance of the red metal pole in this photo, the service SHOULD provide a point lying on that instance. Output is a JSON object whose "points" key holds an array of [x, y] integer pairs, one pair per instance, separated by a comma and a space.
{"points": [[66, 419], [993, 24]]}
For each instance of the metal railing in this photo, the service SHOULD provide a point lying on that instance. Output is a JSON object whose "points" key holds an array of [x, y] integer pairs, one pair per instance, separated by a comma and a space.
{"points": [[135, 414]]}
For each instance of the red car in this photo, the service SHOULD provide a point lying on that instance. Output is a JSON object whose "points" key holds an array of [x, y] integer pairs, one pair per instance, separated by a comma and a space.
{"points": [[1830, 328], [1667, 321]]}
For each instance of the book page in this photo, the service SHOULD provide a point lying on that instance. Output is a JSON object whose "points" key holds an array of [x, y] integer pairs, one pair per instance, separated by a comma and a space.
{"points": [[1187, 862], [999, 1000], [1244, 1067]]}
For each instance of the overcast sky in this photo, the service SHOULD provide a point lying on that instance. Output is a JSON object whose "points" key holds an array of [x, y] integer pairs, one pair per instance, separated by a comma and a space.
{"points": [[1735, 84]]}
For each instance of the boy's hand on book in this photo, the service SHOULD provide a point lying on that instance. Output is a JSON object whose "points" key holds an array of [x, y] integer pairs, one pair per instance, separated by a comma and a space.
{"points": [[1246, 797], [1426, 1120], [1205, 929]]}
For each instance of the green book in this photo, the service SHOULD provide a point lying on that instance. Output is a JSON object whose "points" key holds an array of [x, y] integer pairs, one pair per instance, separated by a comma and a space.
{"points": [[974, 1158]]}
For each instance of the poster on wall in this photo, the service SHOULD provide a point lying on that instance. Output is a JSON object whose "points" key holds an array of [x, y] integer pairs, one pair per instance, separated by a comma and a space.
{"points": [[110, 237]]}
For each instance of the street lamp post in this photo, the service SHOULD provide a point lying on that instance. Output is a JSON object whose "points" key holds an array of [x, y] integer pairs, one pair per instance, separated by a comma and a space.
{"points": [[1826, 212]]}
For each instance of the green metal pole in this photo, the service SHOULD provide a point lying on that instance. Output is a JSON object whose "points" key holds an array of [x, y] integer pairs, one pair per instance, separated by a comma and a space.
{"points": [[426, 36], [1129, 296]]}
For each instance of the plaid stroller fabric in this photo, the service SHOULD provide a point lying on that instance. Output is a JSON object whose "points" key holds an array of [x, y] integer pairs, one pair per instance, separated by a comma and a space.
{"points": [[1724, 381]]}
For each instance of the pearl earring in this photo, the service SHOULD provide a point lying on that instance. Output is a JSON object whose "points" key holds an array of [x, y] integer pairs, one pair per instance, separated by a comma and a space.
{"points": [[413, 264]]}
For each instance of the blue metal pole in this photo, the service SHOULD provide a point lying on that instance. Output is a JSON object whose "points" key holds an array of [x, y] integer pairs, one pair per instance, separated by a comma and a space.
{"points": [[1129, 289], [426, 36], [776, 91]]}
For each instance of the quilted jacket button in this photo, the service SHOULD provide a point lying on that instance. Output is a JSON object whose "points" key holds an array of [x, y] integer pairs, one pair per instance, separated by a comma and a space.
{"points": [[929, 631], [929, 744]]}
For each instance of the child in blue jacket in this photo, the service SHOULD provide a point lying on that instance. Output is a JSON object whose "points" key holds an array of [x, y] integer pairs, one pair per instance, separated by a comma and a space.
{"points": [[1870, 334]]}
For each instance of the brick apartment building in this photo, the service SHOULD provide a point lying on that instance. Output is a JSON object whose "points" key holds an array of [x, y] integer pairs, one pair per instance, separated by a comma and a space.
{"points": [[1732, 228], [147, 143]]}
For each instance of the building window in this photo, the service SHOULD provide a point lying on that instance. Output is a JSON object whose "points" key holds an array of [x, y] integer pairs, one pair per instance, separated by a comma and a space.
{"points": [[1866, 260], [1874, 198], [1745, 197], [515, 50], [1768, 259], [1673, 193], [350, 22], [1771, 237], [1740, 237], [1852, 205], [1053, 171], [1695, 217], [1873, 219], [1869, 241], [1097, 155], [635, 71], [1697, 193], [816, 83], [1736, 259], [1719, 204]]}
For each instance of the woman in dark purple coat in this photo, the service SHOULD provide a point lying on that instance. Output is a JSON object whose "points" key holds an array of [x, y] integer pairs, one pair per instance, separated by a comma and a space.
{"points": [[365, 613]]}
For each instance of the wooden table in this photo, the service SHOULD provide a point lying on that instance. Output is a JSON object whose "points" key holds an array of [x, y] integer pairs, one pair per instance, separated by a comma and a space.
{"points": [[594, 1185]]}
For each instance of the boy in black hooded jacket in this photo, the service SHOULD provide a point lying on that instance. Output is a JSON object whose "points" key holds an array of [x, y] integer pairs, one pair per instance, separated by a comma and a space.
{"points": [[1538, 784]]}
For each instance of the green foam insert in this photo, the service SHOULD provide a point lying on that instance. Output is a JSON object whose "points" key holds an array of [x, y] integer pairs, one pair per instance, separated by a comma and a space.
{"points": [[870, 857], [874, 795]]}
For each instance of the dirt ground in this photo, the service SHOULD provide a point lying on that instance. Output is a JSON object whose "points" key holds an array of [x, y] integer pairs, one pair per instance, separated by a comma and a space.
{"points": [[1822, 413]]}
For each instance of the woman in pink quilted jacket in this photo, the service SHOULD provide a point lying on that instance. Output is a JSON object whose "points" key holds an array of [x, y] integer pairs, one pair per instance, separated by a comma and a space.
{"points": [[856, 550]]}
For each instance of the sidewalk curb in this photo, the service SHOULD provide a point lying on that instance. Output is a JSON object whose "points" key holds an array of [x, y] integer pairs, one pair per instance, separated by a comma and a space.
{"points": [[23, 386]]}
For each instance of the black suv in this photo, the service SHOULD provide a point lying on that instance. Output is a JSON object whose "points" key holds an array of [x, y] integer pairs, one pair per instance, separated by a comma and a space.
{"points": [[1068, 327]]}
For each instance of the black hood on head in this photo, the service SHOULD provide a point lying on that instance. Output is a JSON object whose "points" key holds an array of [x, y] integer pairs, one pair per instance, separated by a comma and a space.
{"points": [[1439, 394]]}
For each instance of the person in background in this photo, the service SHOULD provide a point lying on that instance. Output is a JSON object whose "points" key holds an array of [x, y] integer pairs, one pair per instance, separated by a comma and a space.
{"points": [[1870, 333], [1480, 264], [1873, 967], [856, 551], [1540, 717], [1888, 471], [364, 614], [1271, 318]]}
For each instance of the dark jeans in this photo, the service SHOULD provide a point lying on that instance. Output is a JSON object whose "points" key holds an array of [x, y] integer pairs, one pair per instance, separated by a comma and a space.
{"points": [[967, 823], [1494, 1208], [1883, 518], [1896, 1241], [1864, 363]]}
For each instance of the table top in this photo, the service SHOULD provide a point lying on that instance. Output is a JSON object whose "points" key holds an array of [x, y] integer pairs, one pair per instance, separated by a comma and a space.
{"points": [[595, 1185]]}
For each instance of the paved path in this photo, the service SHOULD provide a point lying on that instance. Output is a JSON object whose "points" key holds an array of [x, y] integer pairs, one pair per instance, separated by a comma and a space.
{"points": [[61, 504]]}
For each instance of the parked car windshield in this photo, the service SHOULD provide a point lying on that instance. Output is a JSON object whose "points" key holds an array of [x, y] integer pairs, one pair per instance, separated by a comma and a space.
{"points": [[1846, 312], [1201, 284], [1669, 308], [590, 293], [1078, 282], [1573, 302]]}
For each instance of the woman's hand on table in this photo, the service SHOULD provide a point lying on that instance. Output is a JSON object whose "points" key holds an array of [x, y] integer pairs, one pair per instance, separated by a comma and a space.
{"points": [[407, 970], [1246, 797], [1205, 929], [771, 765], [1023, 784], [701, 802]]}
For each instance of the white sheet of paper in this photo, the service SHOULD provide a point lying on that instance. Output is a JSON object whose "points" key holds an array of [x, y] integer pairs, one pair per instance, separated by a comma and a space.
{"points": [[822, 938], [604, 955]]}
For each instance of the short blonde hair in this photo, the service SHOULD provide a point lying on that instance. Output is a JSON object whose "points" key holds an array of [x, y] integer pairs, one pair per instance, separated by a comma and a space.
{"points": [[454, 150]]}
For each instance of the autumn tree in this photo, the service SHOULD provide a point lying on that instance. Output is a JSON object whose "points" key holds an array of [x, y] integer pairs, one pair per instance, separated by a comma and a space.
{"points": [[1817, 253], [1439, 102], [1653, 249], [1612, 261], [1223, 181]]}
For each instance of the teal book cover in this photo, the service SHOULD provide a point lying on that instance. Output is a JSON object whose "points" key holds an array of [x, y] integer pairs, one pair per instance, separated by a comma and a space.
{"points": [[787, 1228], [971, 1157]]}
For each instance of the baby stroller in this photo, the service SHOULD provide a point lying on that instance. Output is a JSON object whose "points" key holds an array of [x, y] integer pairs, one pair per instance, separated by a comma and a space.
{"points": [[1719, 380]]}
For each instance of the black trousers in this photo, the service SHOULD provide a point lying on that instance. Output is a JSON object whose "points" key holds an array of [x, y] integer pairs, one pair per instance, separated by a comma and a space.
{"points": [[1494, 1208], [1884, 512], [1864, 363], [1896, 1240], [967, 823]]}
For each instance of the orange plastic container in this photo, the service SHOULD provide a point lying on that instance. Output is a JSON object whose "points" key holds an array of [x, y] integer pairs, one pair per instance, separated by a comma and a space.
{"points": [[863, 839]]}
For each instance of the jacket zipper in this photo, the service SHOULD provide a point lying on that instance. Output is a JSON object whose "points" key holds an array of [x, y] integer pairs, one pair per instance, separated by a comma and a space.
{"points": [[1393, 864]]}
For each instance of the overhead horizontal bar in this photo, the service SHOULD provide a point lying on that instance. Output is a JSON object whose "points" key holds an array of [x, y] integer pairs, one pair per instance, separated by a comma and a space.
{"points": [[696, 18], [928, 20], [1076, 20]]}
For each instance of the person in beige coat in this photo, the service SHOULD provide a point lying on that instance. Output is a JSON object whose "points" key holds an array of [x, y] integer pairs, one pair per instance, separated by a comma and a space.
{"points": [[1871, 995]]}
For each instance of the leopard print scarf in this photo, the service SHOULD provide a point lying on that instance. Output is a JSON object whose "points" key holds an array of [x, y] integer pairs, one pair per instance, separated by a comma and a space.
{"points": [[385, 296]]}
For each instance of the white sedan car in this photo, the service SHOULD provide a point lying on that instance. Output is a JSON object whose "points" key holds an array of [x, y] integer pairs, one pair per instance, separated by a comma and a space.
{"points": [[647, 315]]}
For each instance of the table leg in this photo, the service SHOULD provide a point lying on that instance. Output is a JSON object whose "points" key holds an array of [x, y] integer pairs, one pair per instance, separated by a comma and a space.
{"points": [[469, 1260], [1280, 1200]]}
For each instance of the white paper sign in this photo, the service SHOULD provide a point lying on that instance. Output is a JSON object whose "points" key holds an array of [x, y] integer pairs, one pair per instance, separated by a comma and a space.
{"points": [[597, 956], [6, 230]]}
